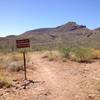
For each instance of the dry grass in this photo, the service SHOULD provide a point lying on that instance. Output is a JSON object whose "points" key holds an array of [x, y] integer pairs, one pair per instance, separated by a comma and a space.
{"points": [[4, 81], [5, 60], [95, 54], [51, 55]]}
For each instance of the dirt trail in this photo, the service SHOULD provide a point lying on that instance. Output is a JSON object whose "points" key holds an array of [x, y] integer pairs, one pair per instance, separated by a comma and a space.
{"points": [[60, 81], [53, 78]]}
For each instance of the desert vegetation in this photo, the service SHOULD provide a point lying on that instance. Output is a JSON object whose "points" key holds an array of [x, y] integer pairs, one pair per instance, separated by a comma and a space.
{"points": [[80, 54], [50, 64], [77, 54], [9, 62], [14, 60]]}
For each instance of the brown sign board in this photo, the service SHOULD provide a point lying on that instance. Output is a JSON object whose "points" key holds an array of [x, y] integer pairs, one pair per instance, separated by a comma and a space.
{"points": [[23, 43]]}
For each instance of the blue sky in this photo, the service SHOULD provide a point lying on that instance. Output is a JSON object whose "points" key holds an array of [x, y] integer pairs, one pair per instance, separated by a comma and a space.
{"points": [[18, 16]]}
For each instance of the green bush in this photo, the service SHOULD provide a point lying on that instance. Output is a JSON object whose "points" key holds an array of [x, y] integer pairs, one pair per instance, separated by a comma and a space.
{"points": [[65, 52], [83, 54], [77, 54]]}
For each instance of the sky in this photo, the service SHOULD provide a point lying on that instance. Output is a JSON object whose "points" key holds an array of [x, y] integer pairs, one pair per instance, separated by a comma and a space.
{"points": [[18, 16]]}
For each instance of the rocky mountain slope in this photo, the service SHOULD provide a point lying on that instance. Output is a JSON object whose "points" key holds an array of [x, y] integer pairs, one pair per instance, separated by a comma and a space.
{"points": [[69, 34]]}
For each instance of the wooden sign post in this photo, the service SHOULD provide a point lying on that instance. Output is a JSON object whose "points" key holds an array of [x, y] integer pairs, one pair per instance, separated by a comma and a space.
{"points": [[23, 43], [24, 65]]}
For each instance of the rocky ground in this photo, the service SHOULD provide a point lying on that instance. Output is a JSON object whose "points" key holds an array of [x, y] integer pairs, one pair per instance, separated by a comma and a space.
{"points": [[55, 80]]}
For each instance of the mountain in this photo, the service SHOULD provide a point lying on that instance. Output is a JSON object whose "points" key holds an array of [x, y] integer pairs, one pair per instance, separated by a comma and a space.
{"points": [[69, 34], [97, 29]]}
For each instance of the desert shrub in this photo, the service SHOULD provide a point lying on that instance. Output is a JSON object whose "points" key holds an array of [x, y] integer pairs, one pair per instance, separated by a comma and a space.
{"points": [[15, 56], [11, 61], [65, 52], [4, 82], [82, 54], [77, 54], [15, 66], [51, 57], [95, 54]]}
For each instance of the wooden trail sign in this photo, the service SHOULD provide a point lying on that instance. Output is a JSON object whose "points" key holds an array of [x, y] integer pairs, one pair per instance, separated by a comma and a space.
{"points": [[23, 43]]}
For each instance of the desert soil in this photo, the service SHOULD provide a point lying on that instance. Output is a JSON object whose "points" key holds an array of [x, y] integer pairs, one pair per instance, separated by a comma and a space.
{"points": [[55, 80]]}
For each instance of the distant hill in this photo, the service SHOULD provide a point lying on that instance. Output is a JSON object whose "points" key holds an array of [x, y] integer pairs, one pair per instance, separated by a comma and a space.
{"points": [[69, 34], [97, 29]]}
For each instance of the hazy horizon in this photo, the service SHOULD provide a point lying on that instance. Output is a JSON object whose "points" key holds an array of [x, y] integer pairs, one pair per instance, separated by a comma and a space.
{"points": [[18, 16]]}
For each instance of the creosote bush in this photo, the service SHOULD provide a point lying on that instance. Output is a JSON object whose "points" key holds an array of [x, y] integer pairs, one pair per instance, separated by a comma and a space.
{"points": [[65, 52], [80, 54]]}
